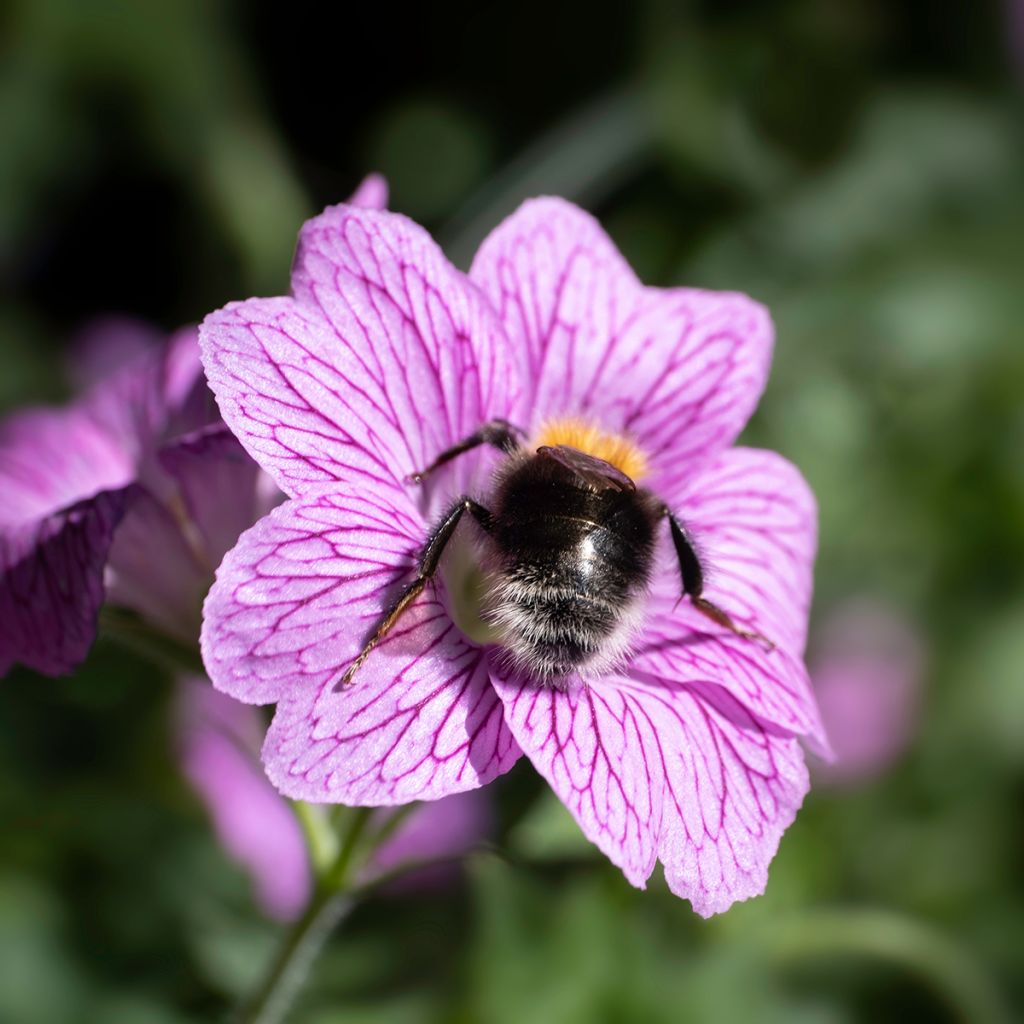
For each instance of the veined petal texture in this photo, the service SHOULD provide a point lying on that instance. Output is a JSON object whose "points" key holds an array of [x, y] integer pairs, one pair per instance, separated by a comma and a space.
{"points": [[291, 608], [386, 356], [679, 370]]}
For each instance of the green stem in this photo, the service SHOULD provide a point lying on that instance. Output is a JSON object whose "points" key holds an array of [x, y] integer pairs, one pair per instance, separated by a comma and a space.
{"points": [[280, 984], [942, 964], [321, 839], [393, 823], [336, 877], [330, 902]]}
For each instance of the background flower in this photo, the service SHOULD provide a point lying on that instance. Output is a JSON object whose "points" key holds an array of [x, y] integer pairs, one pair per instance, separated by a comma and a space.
{"points": [[867, 674], [132, 494], [69, 478]]}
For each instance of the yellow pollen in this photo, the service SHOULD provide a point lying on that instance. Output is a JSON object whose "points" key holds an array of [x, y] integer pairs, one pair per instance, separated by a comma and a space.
{"points": [[622, 453]]}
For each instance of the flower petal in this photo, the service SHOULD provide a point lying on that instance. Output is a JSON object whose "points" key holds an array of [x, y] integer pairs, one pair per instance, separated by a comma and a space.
{"points": [[154, 570], [754, 522], [597, 749], [680, 370], [188, 403], [683, 774], [219, 744], [386, 356], [372, 193], [733, 784], [868, 674], [292, 607], [51, 459], [51, 584], [219, 486]]}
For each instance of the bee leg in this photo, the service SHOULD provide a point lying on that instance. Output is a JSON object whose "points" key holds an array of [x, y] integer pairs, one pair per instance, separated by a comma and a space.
{"points": [[499, 433], [429, 561], [693, 583]]}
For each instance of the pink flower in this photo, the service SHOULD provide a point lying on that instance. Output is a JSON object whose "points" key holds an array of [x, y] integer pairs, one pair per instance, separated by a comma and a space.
{"points": [[86, 492], [219, 742], [867, 677], [687, 749], [131, 495]]}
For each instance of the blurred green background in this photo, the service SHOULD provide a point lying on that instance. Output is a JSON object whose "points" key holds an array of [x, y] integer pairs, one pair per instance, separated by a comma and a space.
{"points": [[855, 164]]}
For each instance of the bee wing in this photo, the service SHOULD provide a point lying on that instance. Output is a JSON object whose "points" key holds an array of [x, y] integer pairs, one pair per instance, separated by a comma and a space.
{"points": [[594, 472]]}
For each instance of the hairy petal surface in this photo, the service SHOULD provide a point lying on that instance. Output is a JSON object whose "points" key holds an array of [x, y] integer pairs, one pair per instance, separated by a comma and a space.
{"points": [[598, 750], [293, 604], [680, 370], [733, 784], [51, 584], [385, 357]]}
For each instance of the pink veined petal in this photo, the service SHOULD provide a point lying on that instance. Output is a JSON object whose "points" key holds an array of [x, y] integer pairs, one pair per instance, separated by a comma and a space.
{"points": [[596, 747], [219, 485], [372, 193], [754, 522], [662, 771], [386, 356], [51, 584], [733, 784], [292, 606], [219, 745], [680, 370]]}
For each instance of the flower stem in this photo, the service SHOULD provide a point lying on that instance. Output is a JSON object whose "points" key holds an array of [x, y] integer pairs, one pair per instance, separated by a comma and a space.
{"points": [[337, 875], [321, 839], [279, 986], [331, 901]]}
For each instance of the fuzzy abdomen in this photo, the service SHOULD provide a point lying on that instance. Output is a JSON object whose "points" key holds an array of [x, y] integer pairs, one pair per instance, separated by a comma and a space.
{"points": [[567, 584]]}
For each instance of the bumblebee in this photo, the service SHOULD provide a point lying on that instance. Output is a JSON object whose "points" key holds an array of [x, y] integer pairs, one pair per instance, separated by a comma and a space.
{"points": [[568, 543]]}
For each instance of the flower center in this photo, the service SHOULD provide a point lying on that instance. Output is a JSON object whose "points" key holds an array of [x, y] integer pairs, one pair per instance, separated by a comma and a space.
{"points": [[587, 437]]}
